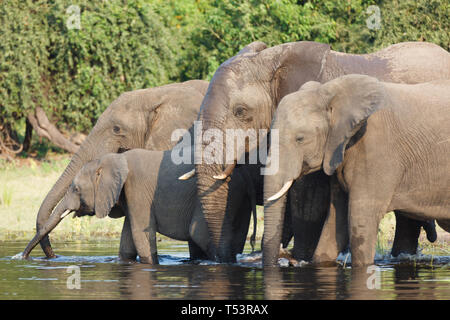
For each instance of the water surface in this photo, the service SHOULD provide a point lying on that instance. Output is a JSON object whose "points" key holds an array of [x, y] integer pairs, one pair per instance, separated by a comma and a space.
{"points": [[102, 276]]}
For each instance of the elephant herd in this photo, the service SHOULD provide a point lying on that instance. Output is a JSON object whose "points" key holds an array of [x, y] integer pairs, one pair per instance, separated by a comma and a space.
{"points": [[358, 136]]}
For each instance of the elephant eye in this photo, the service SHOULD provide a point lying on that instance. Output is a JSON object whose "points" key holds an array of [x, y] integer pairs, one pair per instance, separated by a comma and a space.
{"points": [[299, 139], [241, 112], [116, 129]]}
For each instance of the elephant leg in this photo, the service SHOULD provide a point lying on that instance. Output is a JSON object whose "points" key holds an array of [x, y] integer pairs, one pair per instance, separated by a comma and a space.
{"points": [[200, 245], [334, 237], [407, 233], [309, 200], [365, 213], [144, 233], [127, 250], [195, 252], [241, 223], [288, 233]]}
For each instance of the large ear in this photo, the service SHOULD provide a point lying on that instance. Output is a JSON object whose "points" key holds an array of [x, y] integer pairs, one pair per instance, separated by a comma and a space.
{"points": [[350, 101], [294, 64], [254, 47], [110, 177], [171, 107]]}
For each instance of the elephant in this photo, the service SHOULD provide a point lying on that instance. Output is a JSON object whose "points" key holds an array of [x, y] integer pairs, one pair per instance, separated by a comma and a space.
{"points": [[141, 184], [388, 143], [142, 118], [244, 93]]}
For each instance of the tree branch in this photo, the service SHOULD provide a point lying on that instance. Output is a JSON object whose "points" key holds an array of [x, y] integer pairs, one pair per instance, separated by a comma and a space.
{"points": [[44, 128]]}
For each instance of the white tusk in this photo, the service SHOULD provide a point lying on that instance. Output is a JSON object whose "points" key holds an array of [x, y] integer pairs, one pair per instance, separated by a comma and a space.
{"points": [[221, 176], [282, 191], [65, 213], [187, 175], [228, 171]]}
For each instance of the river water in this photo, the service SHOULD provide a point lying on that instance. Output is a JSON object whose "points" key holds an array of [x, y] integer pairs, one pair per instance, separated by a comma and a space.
{"points": [[91, 270]]}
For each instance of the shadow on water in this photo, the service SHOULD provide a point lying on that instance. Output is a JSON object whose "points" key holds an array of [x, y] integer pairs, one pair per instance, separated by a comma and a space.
{"points": [[102, 276]]}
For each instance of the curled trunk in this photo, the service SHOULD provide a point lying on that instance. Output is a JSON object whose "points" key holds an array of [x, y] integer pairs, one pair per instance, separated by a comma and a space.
{"points": [[56, 193], [51, 223]]}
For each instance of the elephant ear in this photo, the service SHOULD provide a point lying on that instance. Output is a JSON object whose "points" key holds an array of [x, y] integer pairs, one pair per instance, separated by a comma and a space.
{"points": [[294, 64], [253, 47], [350, 100], [110, 177], [310, 85], [169, 108]]}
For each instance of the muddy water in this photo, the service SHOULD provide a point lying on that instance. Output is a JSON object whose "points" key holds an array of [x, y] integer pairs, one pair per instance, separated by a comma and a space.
{"points": [[102, 276]]}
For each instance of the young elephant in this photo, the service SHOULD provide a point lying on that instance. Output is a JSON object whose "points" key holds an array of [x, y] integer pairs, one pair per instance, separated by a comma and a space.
{"points": [[144, 185], [388, 143]]}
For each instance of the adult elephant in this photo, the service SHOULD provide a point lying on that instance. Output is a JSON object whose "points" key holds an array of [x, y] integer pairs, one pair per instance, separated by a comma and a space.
{"points": [[244, 93], [142, 118], [389, 145]]}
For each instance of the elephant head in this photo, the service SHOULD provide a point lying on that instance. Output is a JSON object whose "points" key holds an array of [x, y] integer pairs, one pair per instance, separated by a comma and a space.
{"points": [[315, 125], [243, 94], [95, 190], [143, 118]]}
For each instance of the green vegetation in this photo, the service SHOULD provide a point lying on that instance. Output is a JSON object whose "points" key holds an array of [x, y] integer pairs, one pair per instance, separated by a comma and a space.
{"points": [[26, 183], [74, 64]]}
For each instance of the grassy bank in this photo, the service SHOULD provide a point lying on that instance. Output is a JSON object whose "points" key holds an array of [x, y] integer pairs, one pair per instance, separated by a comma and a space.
{"points": [[25, 183]]}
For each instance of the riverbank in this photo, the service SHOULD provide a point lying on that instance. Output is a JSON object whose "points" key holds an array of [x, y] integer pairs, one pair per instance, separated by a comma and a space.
{"points": [[24, 184]]}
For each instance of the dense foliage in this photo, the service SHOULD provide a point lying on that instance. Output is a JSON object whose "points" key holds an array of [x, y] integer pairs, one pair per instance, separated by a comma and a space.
{"points": [[74, 73]]}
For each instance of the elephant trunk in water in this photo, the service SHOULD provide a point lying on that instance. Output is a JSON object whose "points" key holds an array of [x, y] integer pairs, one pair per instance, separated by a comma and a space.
{"points": [[57, 192], [55, 218], [213, 195]]}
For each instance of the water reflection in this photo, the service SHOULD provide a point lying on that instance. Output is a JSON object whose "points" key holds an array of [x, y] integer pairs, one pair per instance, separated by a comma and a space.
{"points": [[104, 277]]}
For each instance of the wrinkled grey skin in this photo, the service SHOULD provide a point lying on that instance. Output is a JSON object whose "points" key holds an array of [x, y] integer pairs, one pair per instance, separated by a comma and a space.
{"points": [[137, 119], [389, 145], [143, 186], [245, 91]]}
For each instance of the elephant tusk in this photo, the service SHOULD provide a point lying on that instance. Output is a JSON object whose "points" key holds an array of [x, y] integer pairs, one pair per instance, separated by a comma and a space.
{"points": [[228, 170], [187, 175], [65, 213], [282, 191]]}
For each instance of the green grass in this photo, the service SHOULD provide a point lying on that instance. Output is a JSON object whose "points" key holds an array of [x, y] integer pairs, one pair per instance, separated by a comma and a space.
{"points": [[25, 183]]}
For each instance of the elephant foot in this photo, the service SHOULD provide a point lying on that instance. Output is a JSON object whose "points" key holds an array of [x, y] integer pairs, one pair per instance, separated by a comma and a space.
{"points": [[149, 260], [127, 257], [287, 254], [49, 252]]}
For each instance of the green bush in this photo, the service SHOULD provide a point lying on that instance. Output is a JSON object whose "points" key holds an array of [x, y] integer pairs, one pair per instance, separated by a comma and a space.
{"points": [[125, 45], [75, 73]]}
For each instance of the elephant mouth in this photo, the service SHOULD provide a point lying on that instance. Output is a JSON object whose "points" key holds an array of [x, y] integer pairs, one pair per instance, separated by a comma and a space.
{"points": [[83, 213], [122, 150]]}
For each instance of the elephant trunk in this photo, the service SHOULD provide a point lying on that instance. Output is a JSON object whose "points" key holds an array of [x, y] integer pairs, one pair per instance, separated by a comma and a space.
{"points": [[55, 218], [58, 190], [213, 196], [273, 222]]}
